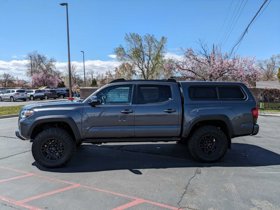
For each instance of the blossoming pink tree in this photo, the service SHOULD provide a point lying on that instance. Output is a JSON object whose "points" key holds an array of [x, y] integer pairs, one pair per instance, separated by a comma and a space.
{"points": [[216, 66], [45, 79]]}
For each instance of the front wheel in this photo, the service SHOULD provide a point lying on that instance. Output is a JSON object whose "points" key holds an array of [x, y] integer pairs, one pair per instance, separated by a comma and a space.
{"points": [[208, 144], [53, 147], [12, 99]]}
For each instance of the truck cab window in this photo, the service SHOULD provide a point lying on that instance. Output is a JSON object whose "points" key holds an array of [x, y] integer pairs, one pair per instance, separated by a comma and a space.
{"points": [[153, 94], [115, 95]]}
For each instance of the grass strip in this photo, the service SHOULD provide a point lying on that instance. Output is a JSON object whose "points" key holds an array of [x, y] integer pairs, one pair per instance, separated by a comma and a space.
{"points": [[9, 110]]}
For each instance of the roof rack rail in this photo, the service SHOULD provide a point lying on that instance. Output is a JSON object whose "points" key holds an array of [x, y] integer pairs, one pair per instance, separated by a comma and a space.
{"points": [[118, 80], [159, 80]]}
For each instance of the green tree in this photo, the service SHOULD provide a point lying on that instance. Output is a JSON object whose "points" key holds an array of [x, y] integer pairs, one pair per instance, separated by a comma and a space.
{"points": [[93, 83], [144, 53]]}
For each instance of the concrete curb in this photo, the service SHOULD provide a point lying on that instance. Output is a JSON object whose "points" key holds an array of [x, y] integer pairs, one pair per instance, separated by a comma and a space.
{"points": [[8, 116], [269, 115]]}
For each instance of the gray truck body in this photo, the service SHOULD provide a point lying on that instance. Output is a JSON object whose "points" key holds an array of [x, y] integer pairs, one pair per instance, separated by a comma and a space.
{"points": [[170, 120]]}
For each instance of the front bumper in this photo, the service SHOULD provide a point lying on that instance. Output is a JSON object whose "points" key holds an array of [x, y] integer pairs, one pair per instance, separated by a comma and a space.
{"points": [[255, 129], [19, 135]]}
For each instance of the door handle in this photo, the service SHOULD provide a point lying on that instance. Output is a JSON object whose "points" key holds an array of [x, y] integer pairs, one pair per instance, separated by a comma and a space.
{"points": [[127, 111], [169, 110]]}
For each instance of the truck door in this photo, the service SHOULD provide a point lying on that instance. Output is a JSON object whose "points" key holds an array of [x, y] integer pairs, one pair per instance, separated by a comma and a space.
{"points": [[114, 117], [157, 110]]}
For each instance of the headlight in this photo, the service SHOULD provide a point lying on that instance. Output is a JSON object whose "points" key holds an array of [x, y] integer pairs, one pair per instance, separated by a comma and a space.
{"points": [[26, 113]]}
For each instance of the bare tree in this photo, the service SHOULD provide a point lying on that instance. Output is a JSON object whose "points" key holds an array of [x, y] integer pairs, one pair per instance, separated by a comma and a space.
{"points": [[144, 54], [269, 68], [7, 80], [39, 63]]}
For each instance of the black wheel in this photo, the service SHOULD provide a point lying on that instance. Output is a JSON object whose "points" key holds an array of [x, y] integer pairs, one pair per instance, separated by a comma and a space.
{"points": [[12, 99], [208, 144], [24, 99], [32, 98], [53, 147]]}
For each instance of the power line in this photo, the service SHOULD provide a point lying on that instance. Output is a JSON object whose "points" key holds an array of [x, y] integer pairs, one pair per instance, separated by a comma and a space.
{"points": [[234, 19], [247, 28]]}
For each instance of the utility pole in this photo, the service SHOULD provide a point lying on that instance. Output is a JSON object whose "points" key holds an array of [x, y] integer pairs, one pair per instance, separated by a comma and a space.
{"points": [[84, 67], [68, 44]]}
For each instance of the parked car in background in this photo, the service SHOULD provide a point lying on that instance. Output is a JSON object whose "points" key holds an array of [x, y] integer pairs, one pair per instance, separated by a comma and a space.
{"points": [[62, 92], [13, 95], [50, 93], [35, 94]]}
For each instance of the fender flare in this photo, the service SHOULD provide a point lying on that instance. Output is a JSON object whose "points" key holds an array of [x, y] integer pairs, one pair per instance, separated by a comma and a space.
{"points": [[57, 118]]}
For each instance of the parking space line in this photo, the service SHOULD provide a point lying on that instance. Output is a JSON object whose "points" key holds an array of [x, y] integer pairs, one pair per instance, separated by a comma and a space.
{"points": [[48, 193], [130, 204], [16, 203], [76, 185], [15, 178]]}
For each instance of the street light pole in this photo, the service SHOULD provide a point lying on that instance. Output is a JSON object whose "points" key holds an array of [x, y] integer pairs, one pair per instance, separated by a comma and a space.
{"points": [[68, 44], [84, 67]]}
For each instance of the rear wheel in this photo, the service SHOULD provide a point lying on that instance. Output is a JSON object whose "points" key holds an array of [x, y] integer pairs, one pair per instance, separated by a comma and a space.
{"points": [[208, 144], [53, 147]]}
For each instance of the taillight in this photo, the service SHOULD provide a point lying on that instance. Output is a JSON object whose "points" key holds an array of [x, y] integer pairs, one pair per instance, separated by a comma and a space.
{"points": [[255, 114]]}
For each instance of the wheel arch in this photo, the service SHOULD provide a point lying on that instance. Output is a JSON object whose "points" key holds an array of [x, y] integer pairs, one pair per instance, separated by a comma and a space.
{"points": [[66, 123], [218, 121]]}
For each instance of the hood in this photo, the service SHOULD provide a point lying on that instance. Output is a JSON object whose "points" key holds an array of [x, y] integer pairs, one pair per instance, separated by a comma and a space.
{"points": [[55, 104]]}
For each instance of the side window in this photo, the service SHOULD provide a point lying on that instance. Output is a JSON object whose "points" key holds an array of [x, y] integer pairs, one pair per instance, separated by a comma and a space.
{"points": [[231, 93], [120, 94], [203, 93], [153, 94]]}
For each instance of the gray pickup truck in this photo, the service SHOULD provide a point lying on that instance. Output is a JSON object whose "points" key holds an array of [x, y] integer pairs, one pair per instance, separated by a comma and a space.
{"points": [[203, 115]]}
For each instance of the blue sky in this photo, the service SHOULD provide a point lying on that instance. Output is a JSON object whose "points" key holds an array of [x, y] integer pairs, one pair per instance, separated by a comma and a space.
{"points": [[98, 26]]}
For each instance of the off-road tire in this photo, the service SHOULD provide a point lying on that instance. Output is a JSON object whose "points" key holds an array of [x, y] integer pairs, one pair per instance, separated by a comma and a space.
{"points": [[53, 147], [208, 144]]}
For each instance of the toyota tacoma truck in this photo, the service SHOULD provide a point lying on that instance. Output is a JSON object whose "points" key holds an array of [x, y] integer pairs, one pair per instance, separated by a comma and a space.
{"points": [[203, 115]]}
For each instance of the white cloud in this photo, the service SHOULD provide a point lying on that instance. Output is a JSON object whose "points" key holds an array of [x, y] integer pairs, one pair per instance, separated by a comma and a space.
{"points": [[175, 56], [112, 56], [17, 68]]}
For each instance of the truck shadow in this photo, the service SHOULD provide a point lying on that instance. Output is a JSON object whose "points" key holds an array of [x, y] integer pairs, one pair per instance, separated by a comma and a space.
{"points": [[134, 157]]}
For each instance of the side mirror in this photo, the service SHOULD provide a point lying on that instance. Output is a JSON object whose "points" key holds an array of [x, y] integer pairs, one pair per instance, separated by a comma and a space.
{"points": [[95, 101]]}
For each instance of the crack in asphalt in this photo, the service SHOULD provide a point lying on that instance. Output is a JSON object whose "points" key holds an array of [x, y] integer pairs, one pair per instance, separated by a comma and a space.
{"points": [[2, 158], [197, 171]]}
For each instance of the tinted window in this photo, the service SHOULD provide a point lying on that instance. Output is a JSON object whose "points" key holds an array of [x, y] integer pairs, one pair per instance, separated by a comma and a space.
{"points": [[153, 94], [20, 91], [115, 95], [203, 92], [234, 93]]}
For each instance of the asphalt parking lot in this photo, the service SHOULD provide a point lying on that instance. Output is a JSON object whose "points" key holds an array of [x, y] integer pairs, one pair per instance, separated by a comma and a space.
{"points": [[143, 176]]}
